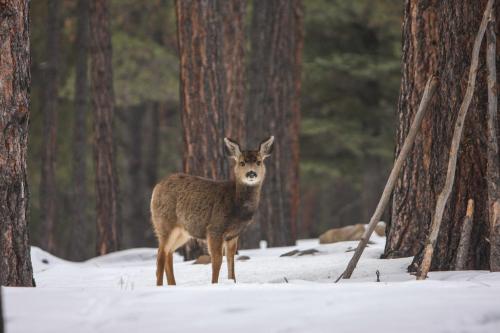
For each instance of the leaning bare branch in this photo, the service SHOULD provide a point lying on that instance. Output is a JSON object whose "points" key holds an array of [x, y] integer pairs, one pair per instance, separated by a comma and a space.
{"points": [[430, 88]]}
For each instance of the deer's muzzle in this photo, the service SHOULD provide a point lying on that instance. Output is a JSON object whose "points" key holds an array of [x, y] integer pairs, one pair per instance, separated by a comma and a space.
{"points": [[251, 174]]}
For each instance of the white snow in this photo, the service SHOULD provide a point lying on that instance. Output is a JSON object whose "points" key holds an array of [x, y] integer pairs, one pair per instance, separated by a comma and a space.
{"points": [[117, 293]]}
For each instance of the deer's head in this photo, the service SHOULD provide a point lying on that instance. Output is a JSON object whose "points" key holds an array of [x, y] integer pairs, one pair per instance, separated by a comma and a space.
{"points": [[249, 168]]}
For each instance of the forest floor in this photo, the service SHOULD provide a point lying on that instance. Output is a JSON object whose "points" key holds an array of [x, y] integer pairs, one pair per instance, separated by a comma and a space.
{"points": [[117, 293]]}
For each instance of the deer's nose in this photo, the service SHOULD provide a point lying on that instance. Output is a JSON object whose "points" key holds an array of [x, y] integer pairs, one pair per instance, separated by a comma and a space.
{"points": [[251, 174]]}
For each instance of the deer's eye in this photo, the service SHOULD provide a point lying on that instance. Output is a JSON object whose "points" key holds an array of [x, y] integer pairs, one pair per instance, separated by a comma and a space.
{"points": [[242, 163], [258, 162]]}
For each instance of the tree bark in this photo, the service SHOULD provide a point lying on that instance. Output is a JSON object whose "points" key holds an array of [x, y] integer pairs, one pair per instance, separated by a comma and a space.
{"points": [[80, 195], [233, 25], [15, 258], [444, 194], [438, 37], [493, 167], [273, 108], [103, 106], [48, 188], [210, 38]]}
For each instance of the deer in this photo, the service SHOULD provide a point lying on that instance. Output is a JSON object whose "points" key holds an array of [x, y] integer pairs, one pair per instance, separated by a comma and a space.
{"points": [[184, 206]]}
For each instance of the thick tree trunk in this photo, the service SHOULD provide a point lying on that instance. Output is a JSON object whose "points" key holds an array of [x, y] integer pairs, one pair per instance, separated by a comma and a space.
{"points": [[210, 37], [15, 259], [48, 189], [79, 219], [438, 38], [103, 105], [273, 108], [493, 168], [233, 25]]}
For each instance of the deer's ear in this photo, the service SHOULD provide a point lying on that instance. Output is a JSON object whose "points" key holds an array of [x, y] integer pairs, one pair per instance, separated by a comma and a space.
{"points": [[266, 147], [233, 148]]}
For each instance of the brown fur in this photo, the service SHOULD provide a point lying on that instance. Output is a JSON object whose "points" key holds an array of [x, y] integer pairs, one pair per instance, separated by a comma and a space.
{"points": [[185, 206]]}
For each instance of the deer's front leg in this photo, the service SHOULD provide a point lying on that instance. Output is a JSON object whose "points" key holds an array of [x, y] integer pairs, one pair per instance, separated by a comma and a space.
{"points": [[231, 247], [215, 248]]}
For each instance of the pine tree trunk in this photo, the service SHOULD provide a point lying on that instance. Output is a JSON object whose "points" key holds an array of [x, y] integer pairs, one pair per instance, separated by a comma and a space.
{"points": [[103, 106], [233, 20], [438, 38], [210, 38], [79, 202], [273, 108], [48, 189], [15, 258]]}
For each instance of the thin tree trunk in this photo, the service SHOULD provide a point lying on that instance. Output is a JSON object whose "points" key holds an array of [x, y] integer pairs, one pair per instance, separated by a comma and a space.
{"points": [[48, 189], [273, 108], [103, 106], [453, 155], [309, 209], [79, 219], [153, 144], [493, 167], [435, 35], [464, 245], [209, 75], [135, 208], [15, 258]]}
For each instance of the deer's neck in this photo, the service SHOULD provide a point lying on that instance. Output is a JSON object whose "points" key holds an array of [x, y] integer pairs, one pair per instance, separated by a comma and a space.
{"points": [[246, 200]]}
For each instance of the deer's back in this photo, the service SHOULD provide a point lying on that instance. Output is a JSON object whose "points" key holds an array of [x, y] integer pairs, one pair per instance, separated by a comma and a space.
{"points": [[191, 202]]}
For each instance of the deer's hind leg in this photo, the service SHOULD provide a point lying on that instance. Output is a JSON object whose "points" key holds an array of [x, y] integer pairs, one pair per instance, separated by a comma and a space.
{"points": [[160, 263], [176, 239]]}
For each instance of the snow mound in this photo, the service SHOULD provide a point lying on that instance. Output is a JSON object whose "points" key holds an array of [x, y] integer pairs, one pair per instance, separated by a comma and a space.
{"points": [[43, 260]]}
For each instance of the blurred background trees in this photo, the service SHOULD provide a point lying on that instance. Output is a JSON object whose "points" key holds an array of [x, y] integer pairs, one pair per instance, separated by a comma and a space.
{"points": [[350, 78]]}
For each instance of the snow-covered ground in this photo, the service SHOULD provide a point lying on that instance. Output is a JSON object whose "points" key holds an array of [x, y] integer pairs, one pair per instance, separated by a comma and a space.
{"points": [[117, 293]]}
